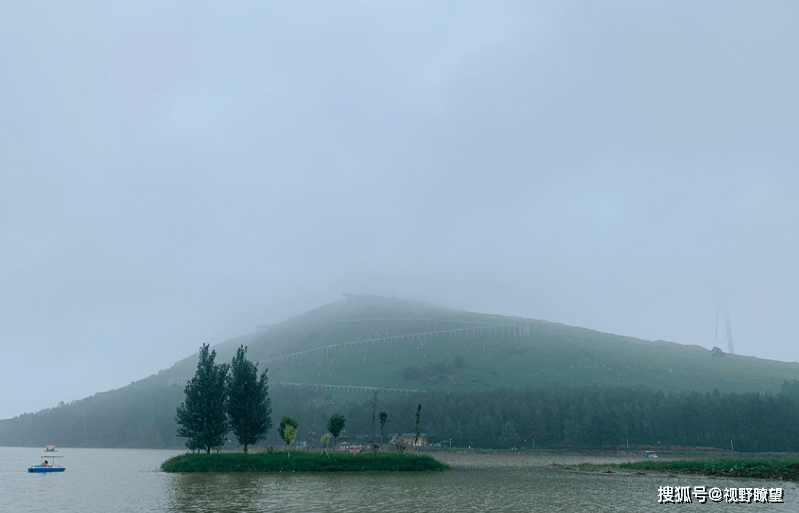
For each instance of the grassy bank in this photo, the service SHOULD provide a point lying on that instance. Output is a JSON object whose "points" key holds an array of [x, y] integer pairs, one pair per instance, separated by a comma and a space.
{"points": [[766, 468], [784, 468], [301, 462]]}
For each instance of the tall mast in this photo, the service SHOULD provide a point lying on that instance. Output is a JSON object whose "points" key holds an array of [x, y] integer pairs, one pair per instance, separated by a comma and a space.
{"points": [[729, 331]]}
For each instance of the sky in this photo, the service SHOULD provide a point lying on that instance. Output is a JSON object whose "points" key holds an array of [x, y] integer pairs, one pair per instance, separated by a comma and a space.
{"points": [[176, 173]]}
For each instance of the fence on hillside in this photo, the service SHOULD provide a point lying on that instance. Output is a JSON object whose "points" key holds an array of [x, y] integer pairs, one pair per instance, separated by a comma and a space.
{"points": [[501, 331], [349, 388]]}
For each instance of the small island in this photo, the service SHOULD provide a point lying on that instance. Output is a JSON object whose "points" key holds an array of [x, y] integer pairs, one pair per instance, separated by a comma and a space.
{"points": [[218, 402], [302, 462]]}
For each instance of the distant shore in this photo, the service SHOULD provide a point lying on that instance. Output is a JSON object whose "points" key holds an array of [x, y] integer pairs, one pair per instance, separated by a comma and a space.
{"points": [[302, 462]]}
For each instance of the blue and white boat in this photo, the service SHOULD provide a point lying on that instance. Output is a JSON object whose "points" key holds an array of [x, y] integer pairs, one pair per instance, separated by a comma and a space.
{"points": [[48, 463]]}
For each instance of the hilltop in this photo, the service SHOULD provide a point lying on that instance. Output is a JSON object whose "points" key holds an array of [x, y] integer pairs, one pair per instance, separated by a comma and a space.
{"points": [[345, 350]]}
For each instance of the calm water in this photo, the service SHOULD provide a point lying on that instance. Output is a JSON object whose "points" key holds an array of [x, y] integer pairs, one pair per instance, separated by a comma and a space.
{"points": [[117, 480]]}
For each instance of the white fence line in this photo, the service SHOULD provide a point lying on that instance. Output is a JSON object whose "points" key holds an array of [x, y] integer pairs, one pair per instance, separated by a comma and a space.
{"points": [[351, 388], [511, 331]]}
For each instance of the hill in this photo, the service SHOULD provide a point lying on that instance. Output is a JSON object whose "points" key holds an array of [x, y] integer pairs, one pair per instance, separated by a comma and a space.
{"points": [[370, 341], [346, 350]]}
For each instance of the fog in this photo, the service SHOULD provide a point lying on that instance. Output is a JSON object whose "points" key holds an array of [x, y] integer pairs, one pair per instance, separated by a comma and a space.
{"points": [[173, 174]]}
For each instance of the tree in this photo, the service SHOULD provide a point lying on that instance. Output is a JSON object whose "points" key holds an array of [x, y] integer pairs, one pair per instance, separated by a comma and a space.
{"points": [[202, 417], [284, 422], [383, 415], [288, 434], [249, 406], [416, 438], [374, 411], [335, 424], [324, 441], [400, 444]]}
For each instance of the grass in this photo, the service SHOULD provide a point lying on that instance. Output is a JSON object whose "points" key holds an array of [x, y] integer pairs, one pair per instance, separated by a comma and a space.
{"points": [[770, 467], [301, 462], [711, 464], [550, 355]]}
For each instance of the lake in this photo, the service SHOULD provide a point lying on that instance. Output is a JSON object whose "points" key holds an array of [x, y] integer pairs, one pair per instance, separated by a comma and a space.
{"points": [[120, 480]]}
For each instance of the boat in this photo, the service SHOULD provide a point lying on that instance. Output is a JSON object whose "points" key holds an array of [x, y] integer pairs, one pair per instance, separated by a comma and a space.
{"points": [[650, 454], [48, 463]]}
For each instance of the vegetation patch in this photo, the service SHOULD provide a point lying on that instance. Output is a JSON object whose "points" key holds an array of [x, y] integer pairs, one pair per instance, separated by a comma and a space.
{"points": [[302, 462], [763, 468]]}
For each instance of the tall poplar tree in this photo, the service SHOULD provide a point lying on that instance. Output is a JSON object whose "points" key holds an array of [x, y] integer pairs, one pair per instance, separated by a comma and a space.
{"points": [[416, 438], [249, 406], [202, 417], [383, 420]]}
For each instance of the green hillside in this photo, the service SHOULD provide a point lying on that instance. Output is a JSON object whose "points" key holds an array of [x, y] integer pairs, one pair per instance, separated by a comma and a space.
{"points": [[343, 351], [370, 341]]}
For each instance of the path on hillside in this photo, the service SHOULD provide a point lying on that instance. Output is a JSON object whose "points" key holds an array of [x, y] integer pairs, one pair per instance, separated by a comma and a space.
{"points": [[350, 388], [289, 324], [501, 331]]}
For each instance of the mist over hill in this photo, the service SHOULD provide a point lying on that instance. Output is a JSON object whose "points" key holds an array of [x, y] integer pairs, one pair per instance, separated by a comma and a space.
{"points": [[343, 352]]}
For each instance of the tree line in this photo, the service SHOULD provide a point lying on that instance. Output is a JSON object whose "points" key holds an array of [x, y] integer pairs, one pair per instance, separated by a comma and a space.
{"points": [[596, 418], [578, 418]]}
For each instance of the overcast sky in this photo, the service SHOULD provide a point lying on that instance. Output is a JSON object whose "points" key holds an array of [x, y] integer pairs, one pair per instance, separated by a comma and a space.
{"points": [[175, 173]]}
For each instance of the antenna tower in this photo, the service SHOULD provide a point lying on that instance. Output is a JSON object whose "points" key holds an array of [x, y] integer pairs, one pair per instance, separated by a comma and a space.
{"points": [[730, 346]]}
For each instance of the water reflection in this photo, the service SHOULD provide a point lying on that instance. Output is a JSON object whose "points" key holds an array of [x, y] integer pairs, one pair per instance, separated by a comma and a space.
{"points": [[216, 492]]}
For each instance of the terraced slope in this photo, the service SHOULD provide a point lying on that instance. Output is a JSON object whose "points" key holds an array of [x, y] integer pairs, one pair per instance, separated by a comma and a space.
{"points": [[369, 341]]}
